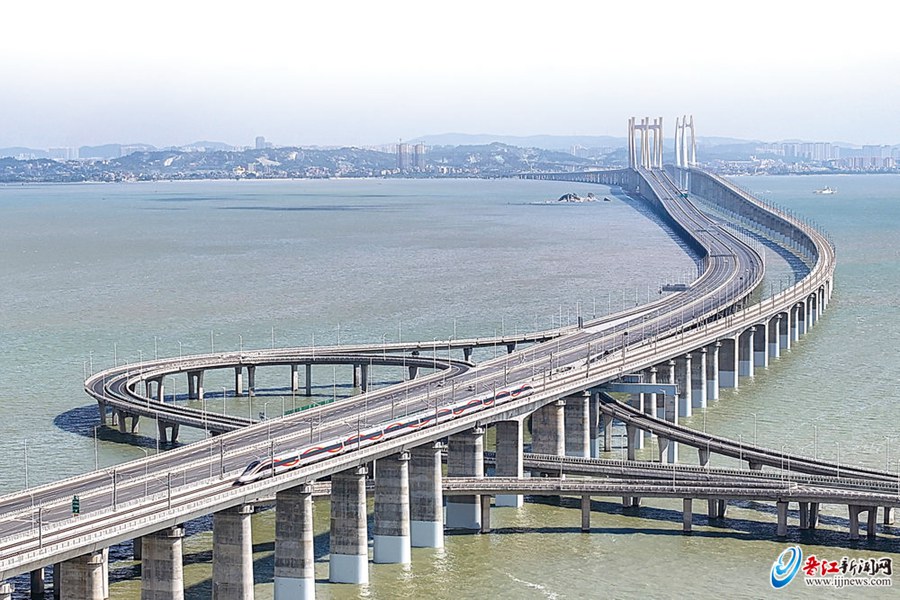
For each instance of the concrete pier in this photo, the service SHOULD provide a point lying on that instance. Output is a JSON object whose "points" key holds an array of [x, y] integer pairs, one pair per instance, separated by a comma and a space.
{"points": [[349, 561], [37, 583], [251, 380], [761, 346], [82, 577], [391, 531], [364, 378], [745, 352], [576, 422], [295, 577], [308, 380], [649, 401], [509, 458], [465, 459], [683, 381], [195, 385], [548, 435], [774, 329], [585, 513], [162, 571], [687, 515], [426, 497], [698, 379], [728, 363], [594, 425], [295, 378], [239, 381], [782, 509], [712, 371], [162, 430], [784, 329], [232, 576]]}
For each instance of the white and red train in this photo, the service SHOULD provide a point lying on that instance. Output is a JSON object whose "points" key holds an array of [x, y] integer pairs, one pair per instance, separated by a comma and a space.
{"points": [[259, 469]]}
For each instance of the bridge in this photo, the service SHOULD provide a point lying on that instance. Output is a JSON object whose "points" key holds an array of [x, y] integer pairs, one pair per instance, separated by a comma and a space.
{"points": [[672, 356]]}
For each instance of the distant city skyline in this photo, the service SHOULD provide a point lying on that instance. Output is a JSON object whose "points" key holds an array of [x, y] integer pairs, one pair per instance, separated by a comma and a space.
{"points": [[363, 74]]}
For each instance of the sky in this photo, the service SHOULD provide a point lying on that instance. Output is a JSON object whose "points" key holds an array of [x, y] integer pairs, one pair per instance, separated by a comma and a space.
{"points": [[359, 73]]}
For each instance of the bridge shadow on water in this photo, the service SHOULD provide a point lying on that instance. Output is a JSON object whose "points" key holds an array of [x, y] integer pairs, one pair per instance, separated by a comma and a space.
{"points": [[82, 421]]}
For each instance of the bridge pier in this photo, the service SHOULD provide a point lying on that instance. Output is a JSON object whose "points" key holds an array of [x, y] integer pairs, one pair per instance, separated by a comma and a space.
{"points": [[232, 576], [795, 325], [784, 329], [239, 381], [633, 438], [349, 562], [687, 515], [295, 378], [698, 379], [309, 379], [465, 459], [123, 427], [745, 352], [636, 401], [467, 353], [761, 346], [509, 458], [728, 363], [251, 380], [548, 435], [649, 401], [364, 378], [801, 318], [813, 515], [585, 513], [712, 372], [391, 534], [804, 515], [426, 497], [82, 577], [888, 515], [195, 385], [295, 576], [38, 589], [594, 424], [102, 411], [576, 423], [683, 381], [162, 570], [162, 428], [413, 372], [774, 329], [782, 509]]}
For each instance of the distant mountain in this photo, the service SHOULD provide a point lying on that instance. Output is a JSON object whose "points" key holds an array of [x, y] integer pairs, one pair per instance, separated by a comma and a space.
{"points": [[22, 151], [546, 142], [207, 145]]}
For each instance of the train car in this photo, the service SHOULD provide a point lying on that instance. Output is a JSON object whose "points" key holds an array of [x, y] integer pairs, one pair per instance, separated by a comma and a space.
{"points": [[262, 468]]}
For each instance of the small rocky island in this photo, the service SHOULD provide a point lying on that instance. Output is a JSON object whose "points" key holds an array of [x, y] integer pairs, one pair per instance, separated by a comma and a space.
{"points": [[573, 197]]}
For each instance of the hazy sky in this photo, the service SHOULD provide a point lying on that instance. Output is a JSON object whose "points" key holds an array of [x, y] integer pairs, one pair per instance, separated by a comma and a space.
{"points": [[347, 72]]}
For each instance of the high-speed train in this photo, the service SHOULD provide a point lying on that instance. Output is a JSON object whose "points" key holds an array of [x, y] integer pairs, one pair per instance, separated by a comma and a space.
{"points": [[268, 467]]}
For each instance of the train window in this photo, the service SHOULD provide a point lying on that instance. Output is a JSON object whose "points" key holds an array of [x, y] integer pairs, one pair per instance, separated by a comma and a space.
{"points": [[250, 467]]}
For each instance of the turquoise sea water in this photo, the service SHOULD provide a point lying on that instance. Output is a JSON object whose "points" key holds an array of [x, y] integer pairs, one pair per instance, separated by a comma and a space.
{"points": [[96, 274]]}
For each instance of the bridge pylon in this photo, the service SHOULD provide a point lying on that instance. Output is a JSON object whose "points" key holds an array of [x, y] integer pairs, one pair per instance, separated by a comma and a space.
{"points": [[651, 143]]}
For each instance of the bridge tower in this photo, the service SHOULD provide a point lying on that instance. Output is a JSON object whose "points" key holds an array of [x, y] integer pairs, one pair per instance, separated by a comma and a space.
{"points": [[651, 144], [685, 149]]}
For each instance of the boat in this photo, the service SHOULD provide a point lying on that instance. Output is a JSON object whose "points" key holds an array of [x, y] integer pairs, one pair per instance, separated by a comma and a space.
{"points": [[825, 191]]}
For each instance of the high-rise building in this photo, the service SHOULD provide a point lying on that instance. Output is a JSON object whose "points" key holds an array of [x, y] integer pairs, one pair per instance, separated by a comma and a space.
{"points": [[419, 156], [403, 157], [260, 142]]}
